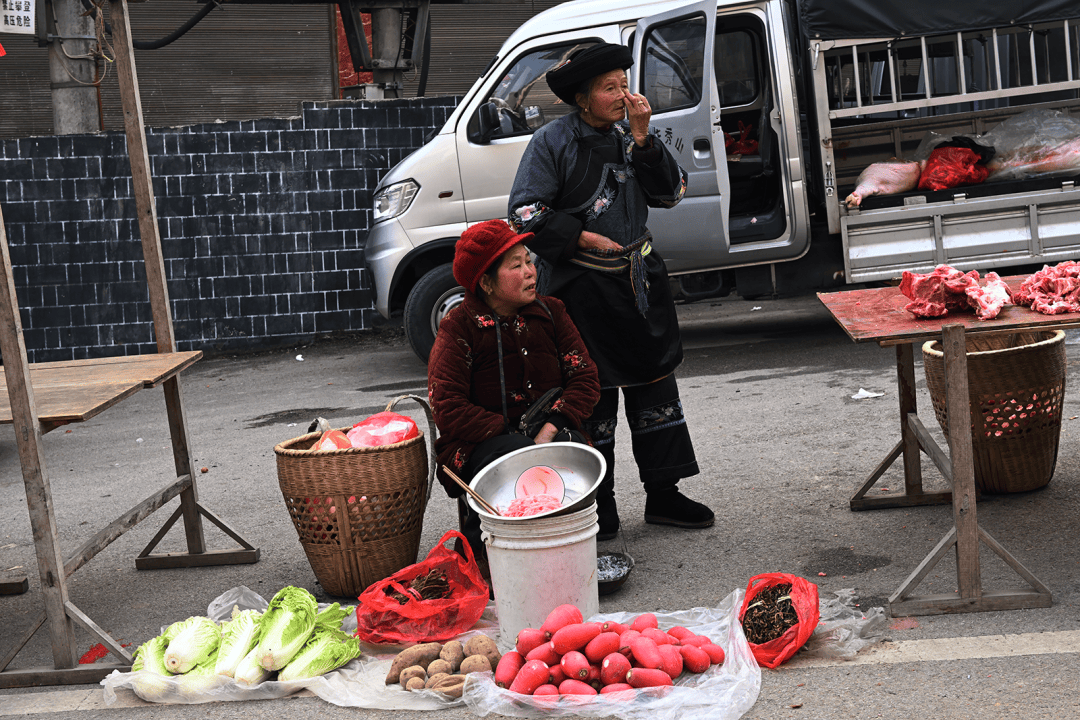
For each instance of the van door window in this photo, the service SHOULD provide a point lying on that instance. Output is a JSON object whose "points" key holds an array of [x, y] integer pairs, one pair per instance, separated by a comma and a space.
{"points": [[673, 70], [522, 97], [736, 68]]}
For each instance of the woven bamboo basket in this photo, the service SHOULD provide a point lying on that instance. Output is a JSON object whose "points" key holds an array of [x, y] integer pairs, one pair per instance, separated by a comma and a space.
{"points": [[358, 511], [1016, 383]]}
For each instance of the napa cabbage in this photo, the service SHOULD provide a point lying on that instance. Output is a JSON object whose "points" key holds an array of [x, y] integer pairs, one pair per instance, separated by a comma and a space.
{"points": [[325, 650], [238, 637], [285, 626], [201, 681], [193, 641], [330, 617], [249, 672], [154, 688], [151, 656]]}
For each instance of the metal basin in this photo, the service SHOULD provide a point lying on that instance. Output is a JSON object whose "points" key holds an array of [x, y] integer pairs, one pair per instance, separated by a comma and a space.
{"points": [[580, 466]]}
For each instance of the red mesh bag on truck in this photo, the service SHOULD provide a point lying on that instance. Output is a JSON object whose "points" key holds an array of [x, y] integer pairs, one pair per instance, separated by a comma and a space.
{"points": [[949, 167], [381, 617], [804, 598]]}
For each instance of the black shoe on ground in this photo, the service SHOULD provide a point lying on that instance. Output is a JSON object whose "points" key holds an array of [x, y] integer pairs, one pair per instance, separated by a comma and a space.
{"points": [[671, 507], [608, 518]]}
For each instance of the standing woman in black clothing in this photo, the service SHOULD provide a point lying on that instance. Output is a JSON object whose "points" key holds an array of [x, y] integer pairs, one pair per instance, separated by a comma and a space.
{"points": [[584, 189]]}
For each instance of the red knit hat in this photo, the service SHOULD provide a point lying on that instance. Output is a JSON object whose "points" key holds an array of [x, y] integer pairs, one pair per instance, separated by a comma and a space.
{"points": [[479, 247]]}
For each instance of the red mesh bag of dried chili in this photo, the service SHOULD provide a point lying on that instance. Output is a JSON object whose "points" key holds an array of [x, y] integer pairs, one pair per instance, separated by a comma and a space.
{"points": [[432, 601], [772, 601], [949, 167]]}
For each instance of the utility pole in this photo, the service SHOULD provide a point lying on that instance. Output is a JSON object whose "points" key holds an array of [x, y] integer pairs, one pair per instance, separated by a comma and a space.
{"points": [[71, 37], [386, 50]]}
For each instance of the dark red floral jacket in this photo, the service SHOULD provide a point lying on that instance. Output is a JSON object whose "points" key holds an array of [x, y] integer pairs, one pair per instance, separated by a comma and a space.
{"points": [[540, 351]]}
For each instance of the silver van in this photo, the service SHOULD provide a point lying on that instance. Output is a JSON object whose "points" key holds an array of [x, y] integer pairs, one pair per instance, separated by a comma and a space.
{"points": [[819, 98]]}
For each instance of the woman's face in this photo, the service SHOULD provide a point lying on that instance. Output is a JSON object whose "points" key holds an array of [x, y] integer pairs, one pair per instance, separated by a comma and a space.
{"points": [[605, 99], [515, 282]]}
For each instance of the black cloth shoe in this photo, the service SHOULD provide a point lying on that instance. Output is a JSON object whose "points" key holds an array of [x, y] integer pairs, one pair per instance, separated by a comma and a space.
{"points": [[671, 507], [608, 517]]}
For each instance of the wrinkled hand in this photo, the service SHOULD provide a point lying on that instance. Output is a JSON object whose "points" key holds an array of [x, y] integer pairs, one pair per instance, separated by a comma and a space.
{"points": [[595, 241], [638, 113], [547, 434]]}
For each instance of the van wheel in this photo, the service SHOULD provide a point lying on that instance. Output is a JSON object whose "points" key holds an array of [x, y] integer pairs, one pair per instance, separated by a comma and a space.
{"points": [[436, 294]]}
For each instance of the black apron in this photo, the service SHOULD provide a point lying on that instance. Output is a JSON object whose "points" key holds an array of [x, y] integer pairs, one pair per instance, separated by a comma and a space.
{"points": [[633, 339]]}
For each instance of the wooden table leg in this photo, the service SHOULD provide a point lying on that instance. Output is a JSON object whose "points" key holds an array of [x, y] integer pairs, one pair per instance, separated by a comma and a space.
{"points": [[963, 464], [908, 447], [965, 534]]}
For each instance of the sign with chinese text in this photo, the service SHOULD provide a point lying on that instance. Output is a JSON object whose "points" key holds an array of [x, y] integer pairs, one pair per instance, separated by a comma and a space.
{"points": [[17, 16]]}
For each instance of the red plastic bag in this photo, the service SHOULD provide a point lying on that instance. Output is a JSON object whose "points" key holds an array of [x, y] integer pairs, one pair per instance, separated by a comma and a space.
{"points": [[382, 619], [383, 428], [949, 167], [804, 596]]}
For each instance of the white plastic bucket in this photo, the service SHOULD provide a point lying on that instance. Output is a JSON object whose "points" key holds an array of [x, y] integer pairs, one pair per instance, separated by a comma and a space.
{"points": [[540, 564]]}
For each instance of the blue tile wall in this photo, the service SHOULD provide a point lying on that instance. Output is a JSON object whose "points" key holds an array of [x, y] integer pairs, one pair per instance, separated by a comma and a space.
{"points": [[262, 228]]}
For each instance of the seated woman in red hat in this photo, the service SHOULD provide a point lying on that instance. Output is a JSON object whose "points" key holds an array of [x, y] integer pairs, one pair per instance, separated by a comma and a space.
{"points": [[494, 356]]}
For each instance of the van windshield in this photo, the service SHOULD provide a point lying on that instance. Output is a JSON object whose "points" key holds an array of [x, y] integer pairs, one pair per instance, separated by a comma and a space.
{"points": [[522, 96]]}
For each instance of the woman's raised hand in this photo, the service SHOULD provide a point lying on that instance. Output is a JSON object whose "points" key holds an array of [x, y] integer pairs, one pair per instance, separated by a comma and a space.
{"points": [[638, 113]]}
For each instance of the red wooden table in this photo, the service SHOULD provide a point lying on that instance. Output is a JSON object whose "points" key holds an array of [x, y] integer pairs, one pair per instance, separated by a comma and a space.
{"points": [[878, 315]]}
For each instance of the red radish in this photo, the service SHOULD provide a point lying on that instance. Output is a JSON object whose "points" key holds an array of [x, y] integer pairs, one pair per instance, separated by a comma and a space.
{"points": [[528, 639], [695, 659], [544, 653], [508, 668], [696, 641], [615, 687], [560, 617], [540, 480], [546, 689], [574, 637], [594, 676], [625, 639], [558, 674], [644, 620], [575, 665], [531, 676], [672, 660], [613, 669], [612, 626], [570, 686], [601, 646], [716, 653], [647, 677], [680, 632], [646, 652], [657, 636]]}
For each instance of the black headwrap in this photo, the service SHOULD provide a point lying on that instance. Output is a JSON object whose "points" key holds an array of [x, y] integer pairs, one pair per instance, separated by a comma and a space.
{"points": [[584, 65]]}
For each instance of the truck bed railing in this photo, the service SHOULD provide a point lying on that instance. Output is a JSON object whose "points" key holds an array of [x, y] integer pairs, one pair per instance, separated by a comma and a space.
{"points": [[866, 73]]}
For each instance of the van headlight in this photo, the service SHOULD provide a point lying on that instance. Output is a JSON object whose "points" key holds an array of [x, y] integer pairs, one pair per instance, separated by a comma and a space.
{"points": [[394, 199]]}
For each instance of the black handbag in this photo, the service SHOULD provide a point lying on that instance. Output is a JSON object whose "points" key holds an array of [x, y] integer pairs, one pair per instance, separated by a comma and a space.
{"points": [[538, 413]]}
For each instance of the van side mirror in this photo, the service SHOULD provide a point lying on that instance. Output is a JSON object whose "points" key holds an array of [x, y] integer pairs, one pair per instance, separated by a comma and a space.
{"points": [[488, 117]]}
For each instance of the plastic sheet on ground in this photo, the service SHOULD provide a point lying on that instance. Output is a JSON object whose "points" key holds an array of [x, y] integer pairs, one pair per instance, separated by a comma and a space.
{"points": [[360, 683], [844, 629], [723, 692]]}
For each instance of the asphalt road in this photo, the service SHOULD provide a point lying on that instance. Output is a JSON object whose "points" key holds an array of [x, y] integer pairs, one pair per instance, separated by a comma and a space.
{"points": [[767, 389]]}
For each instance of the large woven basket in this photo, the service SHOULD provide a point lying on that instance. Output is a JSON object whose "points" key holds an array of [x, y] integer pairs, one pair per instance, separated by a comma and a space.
{"points": [[358, 511], [1016, 383]]}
